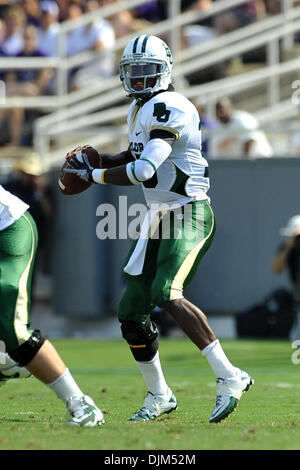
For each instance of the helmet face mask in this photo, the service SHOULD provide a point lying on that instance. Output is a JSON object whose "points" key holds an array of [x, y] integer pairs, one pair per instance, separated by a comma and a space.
{"points": [[145, 66]]}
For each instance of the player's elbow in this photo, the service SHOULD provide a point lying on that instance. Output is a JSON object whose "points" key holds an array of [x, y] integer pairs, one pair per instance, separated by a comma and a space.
{"points": [[144, 170], [140, 171]]}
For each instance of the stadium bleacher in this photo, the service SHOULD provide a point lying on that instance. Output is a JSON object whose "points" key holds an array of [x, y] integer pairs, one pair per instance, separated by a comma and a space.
{"points": [[71, 63]]}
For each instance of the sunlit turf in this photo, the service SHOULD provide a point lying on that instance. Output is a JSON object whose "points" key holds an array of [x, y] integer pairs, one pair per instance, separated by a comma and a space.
{"points": [[268, 416]]}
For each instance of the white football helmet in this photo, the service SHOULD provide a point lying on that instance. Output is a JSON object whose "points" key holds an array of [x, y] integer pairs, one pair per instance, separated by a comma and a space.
{"points": [[145, 66]]}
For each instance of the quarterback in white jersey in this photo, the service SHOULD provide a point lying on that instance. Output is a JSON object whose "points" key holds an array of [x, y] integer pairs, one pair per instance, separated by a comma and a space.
{"points": [[183, 176], [164, 156]]}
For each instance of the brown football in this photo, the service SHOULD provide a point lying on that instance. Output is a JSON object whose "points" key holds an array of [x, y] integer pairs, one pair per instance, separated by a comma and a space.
{"points": [[71, 184]]}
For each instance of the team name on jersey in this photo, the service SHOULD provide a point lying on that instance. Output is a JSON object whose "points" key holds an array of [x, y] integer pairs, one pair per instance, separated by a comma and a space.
{"points": [[136, 147]]}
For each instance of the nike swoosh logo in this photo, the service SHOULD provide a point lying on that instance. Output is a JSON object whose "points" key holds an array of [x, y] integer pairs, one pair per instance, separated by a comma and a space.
{"points": [[138, 133]]}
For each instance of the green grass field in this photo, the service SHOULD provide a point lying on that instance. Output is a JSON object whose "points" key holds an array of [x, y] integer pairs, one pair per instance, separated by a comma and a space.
{"points": [[268, 416]]}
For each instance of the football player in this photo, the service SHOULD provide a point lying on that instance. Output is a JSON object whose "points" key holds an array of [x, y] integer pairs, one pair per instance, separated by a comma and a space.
{"points": [[164, 157], [23, 351]]}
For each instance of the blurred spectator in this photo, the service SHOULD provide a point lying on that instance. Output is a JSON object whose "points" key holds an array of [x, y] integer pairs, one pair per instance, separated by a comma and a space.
{"points": [[75, 35], [200, 31], [122, 23], [203, 6], [25, 82], [32, 81], [15, 20], [126, 21], [150, 11], [163, 9], [2, 35], [98, 36], [2, 54], [4, 5], [288, 258], [49, 29], [272, 7], [206, 123], [32, 12], [238, 135], [288, 255], [240, 16], [92, 35], [29, 183], [195, 34], [63, 6]]}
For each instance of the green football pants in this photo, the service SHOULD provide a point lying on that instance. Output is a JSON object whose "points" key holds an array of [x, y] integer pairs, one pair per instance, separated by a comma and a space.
{"points": [[170, 263], [18, 245]]}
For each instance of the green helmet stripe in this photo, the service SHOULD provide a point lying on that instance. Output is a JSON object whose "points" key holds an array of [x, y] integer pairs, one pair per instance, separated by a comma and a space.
{"points": [[145, 43], [135, 44]]}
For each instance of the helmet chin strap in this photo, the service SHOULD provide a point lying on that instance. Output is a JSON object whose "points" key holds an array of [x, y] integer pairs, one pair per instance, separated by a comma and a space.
{"points": [[142, 96]]}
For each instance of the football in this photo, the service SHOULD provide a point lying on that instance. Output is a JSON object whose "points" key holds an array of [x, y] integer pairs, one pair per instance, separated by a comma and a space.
{"points": [[70, 184]]}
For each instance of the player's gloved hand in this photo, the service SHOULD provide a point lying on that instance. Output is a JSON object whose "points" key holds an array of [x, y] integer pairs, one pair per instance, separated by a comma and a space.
{"points": [[85, 175], [78, 156], [80, 164]]}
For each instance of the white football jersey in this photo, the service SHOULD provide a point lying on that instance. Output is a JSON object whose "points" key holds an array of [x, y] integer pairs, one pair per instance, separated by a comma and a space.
{"points": [[11, 208], [183, 176]]}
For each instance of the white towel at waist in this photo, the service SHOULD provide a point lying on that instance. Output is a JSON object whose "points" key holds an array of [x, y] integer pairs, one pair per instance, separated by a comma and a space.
{"points": [[150, 223]]}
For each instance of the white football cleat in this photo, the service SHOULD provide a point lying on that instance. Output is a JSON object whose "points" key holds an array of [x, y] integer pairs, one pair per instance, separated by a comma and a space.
{"points": [[229, 391], [11, 370], [83, 412], [154, 406]]}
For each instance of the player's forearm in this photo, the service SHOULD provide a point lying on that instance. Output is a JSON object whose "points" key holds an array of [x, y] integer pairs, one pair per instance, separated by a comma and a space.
{"points": [[112, 161], [117, 176], [115, 169]]}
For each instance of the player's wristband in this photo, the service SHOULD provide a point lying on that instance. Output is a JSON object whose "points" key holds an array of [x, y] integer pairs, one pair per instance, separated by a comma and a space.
{"points": [[98, 175]]}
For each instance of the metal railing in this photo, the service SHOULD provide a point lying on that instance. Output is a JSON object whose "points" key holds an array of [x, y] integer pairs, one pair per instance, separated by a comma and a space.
{"points": [[65, 120], [209, 92], [107, 92], [63, 64], [203, 53], [98, 134]]}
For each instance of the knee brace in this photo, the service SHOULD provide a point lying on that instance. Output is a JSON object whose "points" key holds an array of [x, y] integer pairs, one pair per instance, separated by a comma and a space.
{"points": [[24, 353], [142, 339]]}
